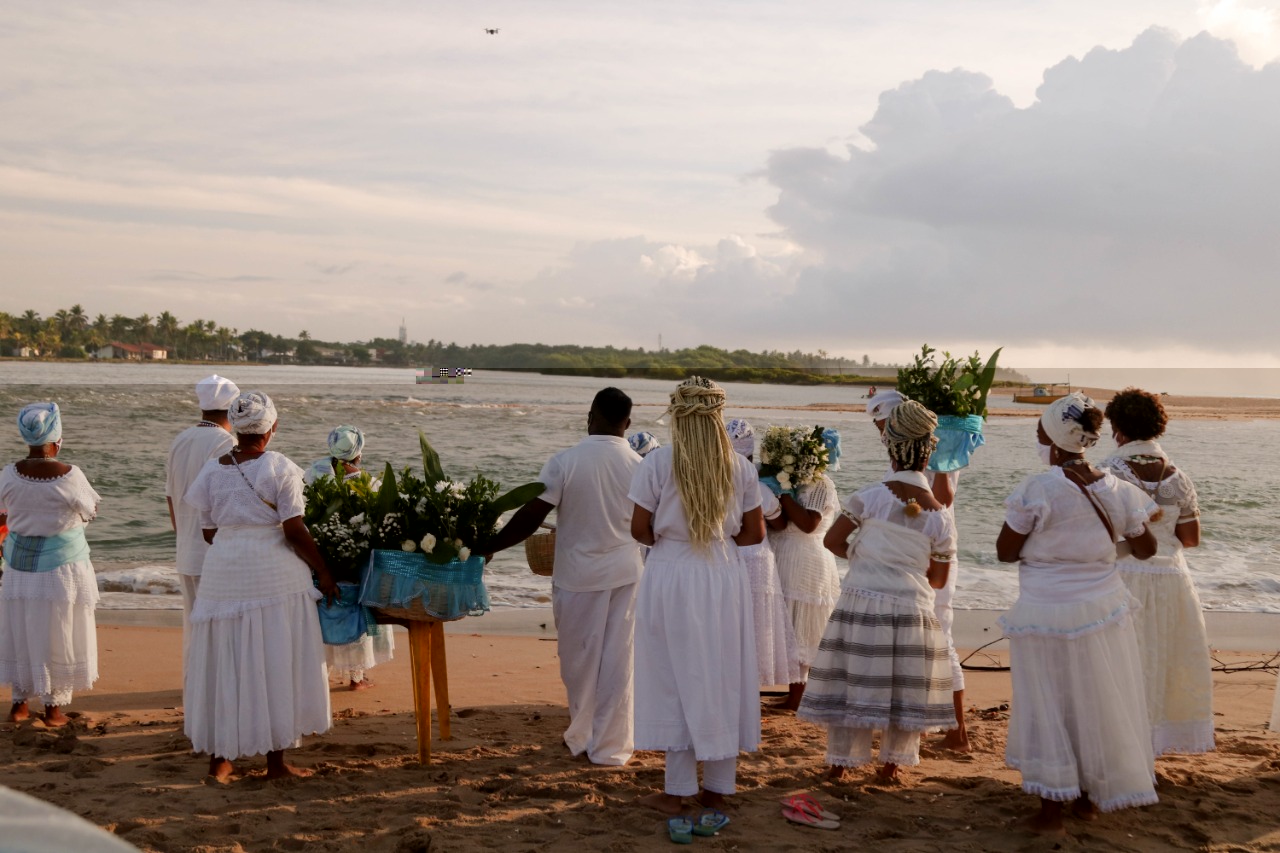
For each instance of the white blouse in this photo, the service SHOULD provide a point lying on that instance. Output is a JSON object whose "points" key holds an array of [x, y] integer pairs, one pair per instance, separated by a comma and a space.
{"points": [[46, 507], [224, 498], [654, 488]]}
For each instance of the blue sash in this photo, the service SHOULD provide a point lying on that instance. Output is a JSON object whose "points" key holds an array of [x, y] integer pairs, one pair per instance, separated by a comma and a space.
{"points": [[45, 553]]}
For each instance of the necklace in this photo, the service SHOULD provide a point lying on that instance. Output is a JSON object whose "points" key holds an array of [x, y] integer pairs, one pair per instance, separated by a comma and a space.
{"points": [[1075, 462], [209, 424]]}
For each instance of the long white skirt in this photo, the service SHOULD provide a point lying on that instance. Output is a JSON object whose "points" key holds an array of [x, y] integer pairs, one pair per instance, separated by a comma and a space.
{"points": [[352, 659], [696, 684], [777, 656], [48, 637], [810, 583], [255, 679], [1177, 672], [1079, 720]]}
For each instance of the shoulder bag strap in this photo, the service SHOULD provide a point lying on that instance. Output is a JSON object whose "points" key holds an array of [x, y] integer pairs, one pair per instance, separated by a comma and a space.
{"points": [[1093, 501], [247, 482]]}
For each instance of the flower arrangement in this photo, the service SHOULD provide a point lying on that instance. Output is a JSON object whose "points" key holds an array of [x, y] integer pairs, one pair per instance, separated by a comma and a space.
{"points": [[795, 456], [337, 514], [954, 387]]}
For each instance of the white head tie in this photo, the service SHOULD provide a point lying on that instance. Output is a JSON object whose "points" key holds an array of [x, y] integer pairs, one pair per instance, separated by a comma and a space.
{"points": [[879, 406], [1061, 423], [215, 393], [252, 413], [741, 436]]}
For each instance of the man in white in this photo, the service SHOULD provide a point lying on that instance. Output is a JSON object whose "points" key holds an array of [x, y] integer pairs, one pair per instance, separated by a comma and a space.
{"points": [[194, 446], [597, 571], [944, 489]]}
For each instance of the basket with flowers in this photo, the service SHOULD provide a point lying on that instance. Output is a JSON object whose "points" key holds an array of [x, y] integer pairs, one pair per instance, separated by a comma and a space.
{"points": [[956, 391], [794, 456]]}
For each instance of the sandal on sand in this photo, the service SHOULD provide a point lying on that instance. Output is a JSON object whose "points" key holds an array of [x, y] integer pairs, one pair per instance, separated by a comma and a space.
{"points": [[807, 819], [710, 822], [680, 829], [807, 804]]}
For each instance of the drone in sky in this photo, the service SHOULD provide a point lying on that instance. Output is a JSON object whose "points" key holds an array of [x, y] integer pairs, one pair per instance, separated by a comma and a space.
{"points": [[492, 32]]}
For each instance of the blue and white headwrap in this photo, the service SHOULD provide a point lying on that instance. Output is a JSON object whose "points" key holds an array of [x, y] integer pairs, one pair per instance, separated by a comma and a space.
{"points": [[40, 424], [1061, 425], [742, 436], [643, 443], [831, 440], [346, 443]]}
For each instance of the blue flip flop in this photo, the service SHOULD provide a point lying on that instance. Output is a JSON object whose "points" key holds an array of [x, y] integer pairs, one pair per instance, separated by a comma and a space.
{"points": [[680, 829], [710, 822]]}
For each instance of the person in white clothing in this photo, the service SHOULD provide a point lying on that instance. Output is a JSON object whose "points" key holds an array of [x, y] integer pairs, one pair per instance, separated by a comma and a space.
{"points": [[697, 696], [255, 680], [48, 640], [194, 446], [1079, 732], [944, 486], [597, 568], [351, 661]]}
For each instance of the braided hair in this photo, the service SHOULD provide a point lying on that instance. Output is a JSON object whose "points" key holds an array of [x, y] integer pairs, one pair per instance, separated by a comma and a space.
{"points": [[702, 457], [908, 435]]}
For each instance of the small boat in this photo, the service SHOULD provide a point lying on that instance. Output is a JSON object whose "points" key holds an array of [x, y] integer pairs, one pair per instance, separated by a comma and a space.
{"points": [[1043, 394]]}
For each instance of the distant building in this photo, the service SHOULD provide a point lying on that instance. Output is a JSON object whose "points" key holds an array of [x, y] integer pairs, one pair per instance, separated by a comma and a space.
{"points": [[404, 332], [24, 352], [132, 352]]}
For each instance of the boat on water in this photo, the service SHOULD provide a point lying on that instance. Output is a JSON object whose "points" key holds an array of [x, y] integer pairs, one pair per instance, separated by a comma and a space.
{"points": [[1042, 394]]}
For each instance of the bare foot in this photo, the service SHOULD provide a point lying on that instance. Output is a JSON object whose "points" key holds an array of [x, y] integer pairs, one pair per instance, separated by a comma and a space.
{"points": [[1084, 808], [53, 716], [277, 769], [835, 773], [712, 800], [220, 769], [362, 684], [668, 804], [19, 712], [887, 773], [795, 692], [955, 741], [1047, 821]]}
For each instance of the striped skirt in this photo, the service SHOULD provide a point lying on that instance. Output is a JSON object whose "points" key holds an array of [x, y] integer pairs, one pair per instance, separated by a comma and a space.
{"points": [[882, 662]]}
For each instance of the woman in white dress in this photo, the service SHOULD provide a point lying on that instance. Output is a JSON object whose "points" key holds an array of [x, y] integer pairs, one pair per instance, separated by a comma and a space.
{"points": [[1170, 624], [883, 660], [777, 656], [255, 680], [1079, 730], [696, 694], [48, 639], [807, 571], [351, 661]]}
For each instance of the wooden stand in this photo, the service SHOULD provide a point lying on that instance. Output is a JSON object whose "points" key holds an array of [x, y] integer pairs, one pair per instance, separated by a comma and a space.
{"points": [[429, 668]]}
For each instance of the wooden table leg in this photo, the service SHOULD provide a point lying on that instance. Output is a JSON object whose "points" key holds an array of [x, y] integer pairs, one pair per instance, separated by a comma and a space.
{"points": [[440, 675], [420, 663]]}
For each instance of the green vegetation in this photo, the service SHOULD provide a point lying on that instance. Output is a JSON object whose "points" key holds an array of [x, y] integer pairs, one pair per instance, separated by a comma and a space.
{"points": [[954, 387]]}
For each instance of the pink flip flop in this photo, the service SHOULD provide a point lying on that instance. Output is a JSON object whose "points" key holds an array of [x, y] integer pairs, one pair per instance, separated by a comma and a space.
{"points": [[808, 805]]}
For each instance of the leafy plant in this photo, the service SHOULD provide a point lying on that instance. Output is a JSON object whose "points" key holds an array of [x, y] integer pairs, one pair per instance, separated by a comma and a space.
{"points": [[953, 387]]}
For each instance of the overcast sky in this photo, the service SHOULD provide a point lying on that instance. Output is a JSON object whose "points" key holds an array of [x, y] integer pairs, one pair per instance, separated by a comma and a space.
{"points": [[1084, 182]]}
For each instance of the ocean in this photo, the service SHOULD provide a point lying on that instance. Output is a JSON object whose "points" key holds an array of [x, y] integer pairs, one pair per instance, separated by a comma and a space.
{"points": [[119, 419]]}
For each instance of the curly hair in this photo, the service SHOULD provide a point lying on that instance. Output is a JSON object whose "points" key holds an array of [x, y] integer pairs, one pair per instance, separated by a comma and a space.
{"points": [[1138, 414]]}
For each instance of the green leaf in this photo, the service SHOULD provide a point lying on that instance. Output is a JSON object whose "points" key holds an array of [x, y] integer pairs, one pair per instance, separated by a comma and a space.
{"points": [[518, 497], [963, 382], [432, 471], [334, 506], [985, 380], [388, 495]]}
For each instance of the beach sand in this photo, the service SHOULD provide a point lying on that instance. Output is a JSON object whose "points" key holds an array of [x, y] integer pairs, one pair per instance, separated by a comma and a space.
{"points": [[506, 782]]}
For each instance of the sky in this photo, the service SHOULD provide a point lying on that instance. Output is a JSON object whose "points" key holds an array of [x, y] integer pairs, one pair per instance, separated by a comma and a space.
{"points": [[1086, 183]]}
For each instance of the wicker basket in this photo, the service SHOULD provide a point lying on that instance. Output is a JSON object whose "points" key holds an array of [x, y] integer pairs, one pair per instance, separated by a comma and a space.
{"points": [[540, 551]]}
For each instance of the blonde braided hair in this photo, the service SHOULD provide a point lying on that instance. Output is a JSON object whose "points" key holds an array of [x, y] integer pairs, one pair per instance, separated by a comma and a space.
{"points": [[908, 435], [702, 457]]}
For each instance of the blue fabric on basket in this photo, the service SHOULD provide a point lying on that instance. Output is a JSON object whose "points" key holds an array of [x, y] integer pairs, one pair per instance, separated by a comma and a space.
{"points": [[445, 591], [958, 437], [346, 619]]}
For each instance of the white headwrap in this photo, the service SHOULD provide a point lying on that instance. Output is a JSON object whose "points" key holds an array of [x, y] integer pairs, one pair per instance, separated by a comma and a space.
{"points": [[215, 393], [40, 424], [1060, 424], [252, 413], [643, 443], [346, 443], [879, 406], [741, 436]]}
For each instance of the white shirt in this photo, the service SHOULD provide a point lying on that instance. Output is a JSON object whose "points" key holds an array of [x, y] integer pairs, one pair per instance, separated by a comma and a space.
{"points": [[193, 447], [655, 488], [226, 497], [46, 507], [587, 484]]}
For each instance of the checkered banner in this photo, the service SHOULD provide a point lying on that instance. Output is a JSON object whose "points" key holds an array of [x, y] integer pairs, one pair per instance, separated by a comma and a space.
{"points": [[442, 375]]}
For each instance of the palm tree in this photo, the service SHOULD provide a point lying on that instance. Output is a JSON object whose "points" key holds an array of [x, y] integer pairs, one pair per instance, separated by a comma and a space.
{"points": [[142, 328], [6, 325], [30, 323], [167, 327], [119, 327]]}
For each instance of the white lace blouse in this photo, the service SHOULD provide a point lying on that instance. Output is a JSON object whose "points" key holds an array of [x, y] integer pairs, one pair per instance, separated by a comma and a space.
{"points": [[46, 507], [225, 498]]}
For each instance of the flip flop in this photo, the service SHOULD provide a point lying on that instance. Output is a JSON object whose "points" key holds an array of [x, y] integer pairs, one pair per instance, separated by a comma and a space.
{"points": [[680, 829], [806, 819], [710, 822], [807, 804]]}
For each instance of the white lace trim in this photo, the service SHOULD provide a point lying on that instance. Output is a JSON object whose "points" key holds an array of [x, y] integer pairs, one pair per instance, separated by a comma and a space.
{"points": [[73, 583]]}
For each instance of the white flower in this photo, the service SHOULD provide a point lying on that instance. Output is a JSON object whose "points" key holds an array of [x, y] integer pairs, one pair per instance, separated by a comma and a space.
{"points": [[783, 478], [365, 529], [356, 519], [422, 506], [428, 543], [408, 545], [464, 553], [457, 490], [788, 460], [789, 469], [442, 485]]}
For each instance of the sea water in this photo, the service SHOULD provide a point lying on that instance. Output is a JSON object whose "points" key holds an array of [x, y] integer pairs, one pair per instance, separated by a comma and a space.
{"points": [[120, 418]]}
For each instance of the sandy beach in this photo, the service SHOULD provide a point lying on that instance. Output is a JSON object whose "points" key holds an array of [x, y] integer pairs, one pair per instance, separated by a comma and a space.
{"points": [[506, 782]]}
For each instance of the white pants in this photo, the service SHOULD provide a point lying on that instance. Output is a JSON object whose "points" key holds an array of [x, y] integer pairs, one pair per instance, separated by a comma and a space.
{"points": [[189, 584], [596, 634], [946, 617], [850, 747], [682, 774]]}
